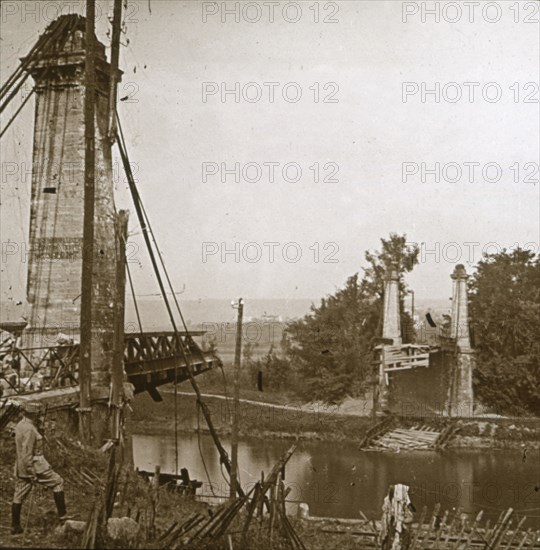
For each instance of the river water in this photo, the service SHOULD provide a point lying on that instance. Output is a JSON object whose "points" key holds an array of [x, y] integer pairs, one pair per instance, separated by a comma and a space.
{"points": [[338, 480]]}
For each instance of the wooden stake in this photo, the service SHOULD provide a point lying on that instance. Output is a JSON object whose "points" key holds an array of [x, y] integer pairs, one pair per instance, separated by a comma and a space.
{"points": [[236, 402]]}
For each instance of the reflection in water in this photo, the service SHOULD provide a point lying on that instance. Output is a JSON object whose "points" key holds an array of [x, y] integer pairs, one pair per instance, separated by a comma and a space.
{"points": [[338, 480]]}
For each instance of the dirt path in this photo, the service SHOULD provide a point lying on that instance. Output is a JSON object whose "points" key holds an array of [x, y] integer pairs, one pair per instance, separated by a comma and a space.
{"points": [[309, 408]]}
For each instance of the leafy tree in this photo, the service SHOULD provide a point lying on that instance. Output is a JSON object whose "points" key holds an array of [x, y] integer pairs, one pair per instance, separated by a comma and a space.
{"points": [[249, 364], [330, 348], [275, 369], [505, 313]]}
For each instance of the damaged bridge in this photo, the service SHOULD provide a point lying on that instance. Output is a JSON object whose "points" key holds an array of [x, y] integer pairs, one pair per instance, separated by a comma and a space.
{"points": [[151, 359], [76, 280]]}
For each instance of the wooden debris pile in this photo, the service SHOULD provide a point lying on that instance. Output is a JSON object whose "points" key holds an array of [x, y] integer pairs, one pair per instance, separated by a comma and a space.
{"points": [[397, 439], [446, 435], [69, 457], [258, 515], [375, 431]]}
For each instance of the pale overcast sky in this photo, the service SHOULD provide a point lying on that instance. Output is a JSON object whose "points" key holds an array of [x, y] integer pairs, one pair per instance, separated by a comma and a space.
{"points": [[361, 62]]}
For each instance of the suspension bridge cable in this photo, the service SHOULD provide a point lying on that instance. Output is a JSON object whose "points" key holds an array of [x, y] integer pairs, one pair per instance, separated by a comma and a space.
{"points": [[17, 112], [200, 449], [224, 457], [189, 339], [137, 313], [144, 227], [175, 420], [227, 398], [165, 271], [41, 48]]}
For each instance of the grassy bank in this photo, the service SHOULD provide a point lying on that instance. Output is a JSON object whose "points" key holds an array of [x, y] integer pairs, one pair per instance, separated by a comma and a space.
{"points": [[268, 419], [73, 462], [39, 516], [279, 417]]}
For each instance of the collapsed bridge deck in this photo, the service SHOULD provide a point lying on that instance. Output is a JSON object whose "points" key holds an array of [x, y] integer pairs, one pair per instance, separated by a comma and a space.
{"points": [[151, 359]]}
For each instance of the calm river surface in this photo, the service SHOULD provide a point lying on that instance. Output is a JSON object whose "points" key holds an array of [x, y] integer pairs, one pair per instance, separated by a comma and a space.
{"points": [[338, 480]]}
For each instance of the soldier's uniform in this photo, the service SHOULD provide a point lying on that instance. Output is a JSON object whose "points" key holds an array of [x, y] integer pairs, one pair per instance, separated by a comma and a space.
{"points": [[31, 466]]}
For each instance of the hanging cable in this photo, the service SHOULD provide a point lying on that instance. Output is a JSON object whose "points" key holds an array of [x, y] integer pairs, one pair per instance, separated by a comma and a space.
{"points": [[137, 313], [175, 421], [200, 449], [224, 457], [226, 391], [189, 339], [57, 32], [17, 112], [165, 272], [57, 29]]}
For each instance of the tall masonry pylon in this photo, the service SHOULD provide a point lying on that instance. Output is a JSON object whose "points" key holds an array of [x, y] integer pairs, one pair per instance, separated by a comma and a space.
{"points": [[391, 317], [57, 201], [391, 331], [459, 326], [460, 391]]}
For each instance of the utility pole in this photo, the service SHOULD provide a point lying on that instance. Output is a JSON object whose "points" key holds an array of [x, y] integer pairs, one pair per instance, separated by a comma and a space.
{"points": [[236, 404], [85, 358], [117, 377]]}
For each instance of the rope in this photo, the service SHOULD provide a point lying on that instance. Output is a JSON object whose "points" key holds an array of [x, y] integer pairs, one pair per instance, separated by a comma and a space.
{"points": [[165, 272], [227, 399], [175, 421], [134, 299], [189, 340], [200, 450]]}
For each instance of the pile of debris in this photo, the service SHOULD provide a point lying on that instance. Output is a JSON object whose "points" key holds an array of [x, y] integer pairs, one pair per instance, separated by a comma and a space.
{"points": [[141, 509], [417, 437], [258, 515]]}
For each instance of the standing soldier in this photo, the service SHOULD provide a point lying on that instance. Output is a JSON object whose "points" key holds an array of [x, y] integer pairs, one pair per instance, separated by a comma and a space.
{"points": [[31, 467]]}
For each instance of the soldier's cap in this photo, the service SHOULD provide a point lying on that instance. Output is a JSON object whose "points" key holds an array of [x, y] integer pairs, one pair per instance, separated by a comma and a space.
{"points": [[32, 408]]}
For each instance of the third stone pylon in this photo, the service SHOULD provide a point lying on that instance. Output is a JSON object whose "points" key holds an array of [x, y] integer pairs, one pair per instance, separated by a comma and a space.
{"points": [[391, 332], [460, 391]]}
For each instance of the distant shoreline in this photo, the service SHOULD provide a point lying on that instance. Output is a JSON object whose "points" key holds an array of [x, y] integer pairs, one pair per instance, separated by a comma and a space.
{"points": [[267, 420]]}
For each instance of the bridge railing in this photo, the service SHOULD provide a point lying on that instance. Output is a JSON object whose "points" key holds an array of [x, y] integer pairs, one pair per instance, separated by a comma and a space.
{"points": [[35, 369], [152, 346], [149, 354]]}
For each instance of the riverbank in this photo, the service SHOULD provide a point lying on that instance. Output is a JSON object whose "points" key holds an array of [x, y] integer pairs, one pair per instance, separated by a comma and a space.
{"points": [[274, 418], [84, 471], [41, 525], [256, 419]]}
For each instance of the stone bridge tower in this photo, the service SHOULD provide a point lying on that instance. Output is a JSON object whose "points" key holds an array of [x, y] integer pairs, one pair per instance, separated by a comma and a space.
{"points": [[402, 380], [460, 391], [391, 314], [57, 199], [391, 332]]}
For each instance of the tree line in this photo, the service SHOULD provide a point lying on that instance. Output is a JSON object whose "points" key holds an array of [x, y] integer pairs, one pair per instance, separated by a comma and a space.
{"points": [[328, 354]]}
